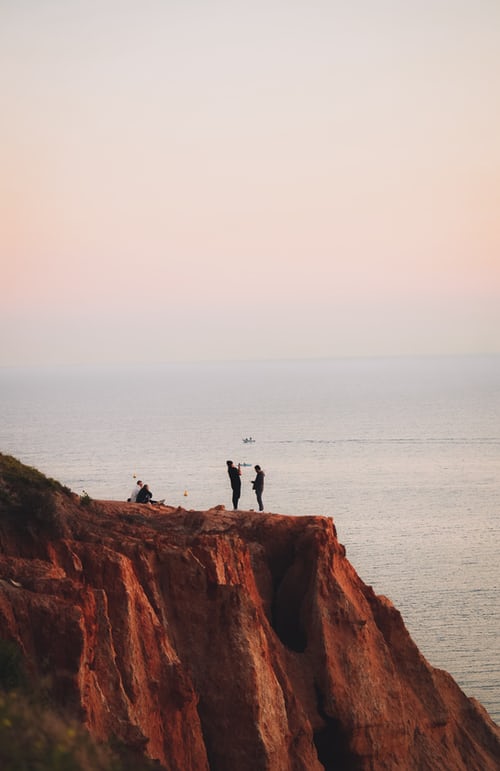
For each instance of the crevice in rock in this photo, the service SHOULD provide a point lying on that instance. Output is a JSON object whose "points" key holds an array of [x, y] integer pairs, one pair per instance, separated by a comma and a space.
{"points": [[332, 742]]}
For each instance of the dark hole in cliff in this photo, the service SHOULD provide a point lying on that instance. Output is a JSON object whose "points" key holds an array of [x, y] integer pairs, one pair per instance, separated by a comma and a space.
{"points": [[290, 584], [287, 611], [287, 624], [332, 743]]}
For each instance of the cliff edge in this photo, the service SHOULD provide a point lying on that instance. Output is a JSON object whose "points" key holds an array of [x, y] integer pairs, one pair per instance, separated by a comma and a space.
{"points": [[222, 640]]}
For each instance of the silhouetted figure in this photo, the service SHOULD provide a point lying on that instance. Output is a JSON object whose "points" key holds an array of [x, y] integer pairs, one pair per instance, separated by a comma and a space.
{"points": [[146, 496], [235, 477], [258, 486]]}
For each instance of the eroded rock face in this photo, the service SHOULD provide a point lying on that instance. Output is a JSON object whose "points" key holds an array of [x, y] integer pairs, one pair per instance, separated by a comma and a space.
{"points": [[230, 640]]}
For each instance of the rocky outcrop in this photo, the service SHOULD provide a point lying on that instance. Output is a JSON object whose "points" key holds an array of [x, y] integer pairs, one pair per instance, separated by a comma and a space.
{"points": [[228, 640]]}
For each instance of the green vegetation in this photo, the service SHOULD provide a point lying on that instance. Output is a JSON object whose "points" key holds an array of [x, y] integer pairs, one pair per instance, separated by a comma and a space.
{"points": [[85, 499], [27, 497], [34, 736], [12, 674]]}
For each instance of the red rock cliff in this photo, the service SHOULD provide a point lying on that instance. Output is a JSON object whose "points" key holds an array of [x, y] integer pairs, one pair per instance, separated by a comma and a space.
{"points": [[229, 641]]}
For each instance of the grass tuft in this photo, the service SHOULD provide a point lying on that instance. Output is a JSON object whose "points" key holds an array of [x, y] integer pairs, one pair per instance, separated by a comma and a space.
{"points": [[27, 497]]}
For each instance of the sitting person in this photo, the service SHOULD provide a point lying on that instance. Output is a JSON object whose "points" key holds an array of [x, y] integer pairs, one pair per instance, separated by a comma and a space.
{"points": [[146, 496], [135, 492]]}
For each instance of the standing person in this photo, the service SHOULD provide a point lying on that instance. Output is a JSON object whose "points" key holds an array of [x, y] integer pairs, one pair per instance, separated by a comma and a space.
{"points": [[258, 486], [135, 492], [235, 477]]}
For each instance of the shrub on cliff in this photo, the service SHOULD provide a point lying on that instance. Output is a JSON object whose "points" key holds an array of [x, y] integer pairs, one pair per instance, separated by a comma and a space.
{"points": [[35, 735], [12, 674], [27, 497]]}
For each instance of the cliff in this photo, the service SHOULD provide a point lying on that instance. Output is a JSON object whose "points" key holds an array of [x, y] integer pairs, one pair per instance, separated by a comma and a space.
{"points": [[221, 640]]}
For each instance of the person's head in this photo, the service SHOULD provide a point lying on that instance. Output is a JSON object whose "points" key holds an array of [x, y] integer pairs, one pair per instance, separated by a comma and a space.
{"points": [[257, 468], [229, 462], [146, 487], [139, 482]]}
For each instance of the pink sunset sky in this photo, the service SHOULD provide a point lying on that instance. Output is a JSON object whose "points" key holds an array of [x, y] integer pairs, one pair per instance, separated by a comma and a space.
{"points": [[236, 180]]}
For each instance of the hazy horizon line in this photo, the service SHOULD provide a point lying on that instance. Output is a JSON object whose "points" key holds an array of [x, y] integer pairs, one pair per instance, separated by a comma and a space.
{"points": [[260, 360]]}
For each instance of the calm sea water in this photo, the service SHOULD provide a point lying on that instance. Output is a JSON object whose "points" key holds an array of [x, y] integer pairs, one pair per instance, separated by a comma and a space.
{"points": [[404, 454]]}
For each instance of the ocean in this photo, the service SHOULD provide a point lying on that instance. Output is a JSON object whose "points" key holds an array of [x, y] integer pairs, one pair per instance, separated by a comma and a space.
{"points": [[403, 454]]}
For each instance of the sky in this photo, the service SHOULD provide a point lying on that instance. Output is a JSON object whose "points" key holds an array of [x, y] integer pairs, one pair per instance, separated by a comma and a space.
{"points": [[187, 180]]}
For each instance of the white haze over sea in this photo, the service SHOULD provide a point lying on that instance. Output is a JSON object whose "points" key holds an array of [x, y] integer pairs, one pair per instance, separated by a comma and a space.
{"points": [[403, 453]]}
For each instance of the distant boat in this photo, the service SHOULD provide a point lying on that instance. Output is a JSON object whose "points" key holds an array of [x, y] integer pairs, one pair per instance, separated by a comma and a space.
{"points": [[248, 440]]}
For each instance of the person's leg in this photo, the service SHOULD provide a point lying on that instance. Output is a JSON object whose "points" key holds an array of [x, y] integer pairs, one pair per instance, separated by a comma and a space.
{"points": [[236, 495], [259, 501]]}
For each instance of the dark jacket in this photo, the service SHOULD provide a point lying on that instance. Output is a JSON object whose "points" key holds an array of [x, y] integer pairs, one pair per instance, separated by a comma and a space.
{"points": [[234, 476], [258, 482], [144, 495]]}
